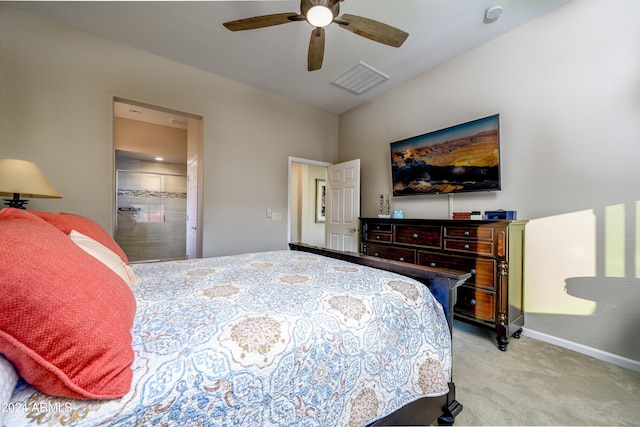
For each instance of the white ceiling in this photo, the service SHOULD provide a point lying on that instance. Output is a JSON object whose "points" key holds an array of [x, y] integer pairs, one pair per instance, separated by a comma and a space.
{"points": [[275, 58]]}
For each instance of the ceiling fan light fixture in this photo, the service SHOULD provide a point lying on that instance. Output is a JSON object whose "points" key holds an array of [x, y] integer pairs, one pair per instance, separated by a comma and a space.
{"points": [[319, 16], [321, 13]]}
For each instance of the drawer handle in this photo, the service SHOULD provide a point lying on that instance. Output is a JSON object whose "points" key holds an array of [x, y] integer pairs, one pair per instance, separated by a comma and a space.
{"points": [[466, 233], [415, 236], [473, 271], [377, 227], [466, 246], [472, 302], [375, 254], [378, 237], [402, 259], [433, 264]]}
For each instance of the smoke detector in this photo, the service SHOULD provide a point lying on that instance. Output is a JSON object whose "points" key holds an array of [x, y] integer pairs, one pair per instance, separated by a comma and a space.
{"points": [[493, 13]]}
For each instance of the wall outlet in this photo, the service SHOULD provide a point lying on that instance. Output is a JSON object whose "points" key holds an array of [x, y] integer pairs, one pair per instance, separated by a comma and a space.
{"points": [[268, 212], [276, 216]]}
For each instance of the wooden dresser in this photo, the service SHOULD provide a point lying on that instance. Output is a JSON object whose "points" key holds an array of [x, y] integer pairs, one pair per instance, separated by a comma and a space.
{"points": [[492, 251]]}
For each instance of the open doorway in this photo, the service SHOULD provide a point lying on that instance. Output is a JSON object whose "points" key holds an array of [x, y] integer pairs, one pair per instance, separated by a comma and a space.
{"points": [[157, 189], [306, 214]]}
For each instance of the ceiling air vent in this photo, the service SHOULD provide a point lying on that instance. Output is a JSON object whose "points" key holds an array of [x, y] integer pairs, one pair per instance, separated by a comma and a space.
{"points": [[360, 79], [177, 122]]}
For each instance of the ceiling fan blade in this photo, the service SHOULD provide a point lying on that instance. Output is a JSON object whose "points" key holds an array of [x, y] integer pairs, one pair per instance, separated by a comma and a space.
{"points": [[316, 50], [260, 21], [374, 30]]}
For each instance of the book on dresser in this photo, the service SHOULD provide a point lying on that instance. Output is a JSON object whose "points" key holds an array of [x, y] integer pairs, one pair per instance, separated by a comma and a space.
{"points": [[491, 250]]}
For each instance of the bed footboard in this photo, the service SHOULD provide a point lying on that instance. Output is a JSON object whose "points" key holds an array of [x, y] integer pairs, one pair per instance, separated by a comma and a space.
{"points": [[443, 284]]}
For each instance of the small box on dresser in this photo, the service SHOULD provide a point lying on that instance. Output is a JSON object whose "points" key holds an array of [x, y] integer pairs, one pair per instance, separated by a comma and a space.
{"points": [[492, 251]]}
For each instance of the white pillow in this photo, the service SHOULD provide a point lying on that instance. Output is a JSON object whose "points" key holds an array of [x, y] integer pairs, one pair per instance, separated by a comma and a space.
{"points": [[104, 255], [8, 381]]}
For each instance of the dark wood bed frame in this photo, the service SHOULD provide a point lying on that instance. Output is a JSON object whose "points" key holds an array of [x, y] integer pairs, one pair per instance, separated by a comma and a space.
{"points": [[443, 284]]}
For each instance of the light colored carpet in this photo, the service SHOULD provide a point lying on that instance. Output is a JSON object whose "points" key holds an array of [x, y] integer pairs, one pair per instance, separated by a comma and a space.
{"points": [[535, 383]]}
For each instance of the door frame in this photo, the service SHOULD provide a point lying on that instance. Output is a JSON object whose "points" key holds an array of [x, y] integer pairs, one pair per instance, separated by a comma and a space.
{"points": [[289, 195], [194, 238], [195, 148]]}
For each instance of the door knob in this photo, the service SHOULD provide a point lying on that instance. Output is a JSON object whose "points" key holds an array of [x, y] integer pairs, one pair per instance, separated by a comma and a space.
{"points": [[352, 230]]}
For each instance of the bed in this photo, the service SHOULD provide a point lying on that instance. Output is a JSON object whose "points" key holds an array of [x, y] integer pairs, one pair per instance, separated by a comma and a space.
{"points": [[300, 337]]}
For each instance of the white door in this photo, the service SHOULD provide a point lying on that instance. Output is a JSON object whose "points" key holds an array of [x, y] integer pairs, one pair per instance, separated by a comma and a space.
{"points": [[192, 208], [343, 206]]}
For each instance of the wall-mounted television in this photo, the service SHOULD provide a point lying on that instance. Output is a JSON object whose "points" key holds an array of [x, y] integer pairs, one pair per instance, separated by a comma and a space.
{"points": [[461, 158]]}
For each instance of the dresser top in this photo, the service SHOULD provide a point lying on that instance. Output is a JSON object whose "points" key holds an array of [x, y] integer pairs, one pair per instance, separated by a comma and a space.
{"points": [[445, 221]]}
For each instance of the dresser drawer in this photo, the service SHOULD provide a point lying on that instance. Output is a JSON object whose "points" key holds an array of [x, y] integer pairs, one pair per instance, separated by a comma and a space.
{"points": [[389, 252], [379, 237], [469, 246], [482, 270], [426, 236], [469, 233], [379, 227], [476, 303]]}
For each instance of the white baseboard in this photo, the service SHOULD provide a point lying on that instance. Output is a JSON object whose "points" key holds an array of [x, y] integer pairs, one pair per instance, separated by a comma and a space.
{"points": [[614, 359]]}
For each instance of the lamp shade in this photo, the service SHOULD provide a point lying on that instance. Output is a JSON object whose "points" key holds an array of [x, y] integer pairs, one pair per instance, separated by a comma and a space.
{"points": [[24, 178]]}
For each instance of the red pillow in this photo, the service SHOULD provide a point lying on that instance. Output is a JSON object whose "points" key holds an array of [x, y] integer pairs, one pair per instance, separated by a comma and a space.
{"points": [[65, 318], [66, 222]]}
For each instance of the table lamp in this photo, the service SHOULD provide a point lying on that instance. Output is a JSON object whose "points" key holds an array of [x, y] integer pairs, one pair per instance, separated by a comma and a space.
{"points": [[20, 178]]}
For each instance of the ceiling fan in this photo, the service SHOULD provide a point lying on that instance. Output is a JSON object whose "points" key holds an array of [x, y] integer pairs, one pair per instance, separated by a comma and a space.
{"points": [[321, 13]]}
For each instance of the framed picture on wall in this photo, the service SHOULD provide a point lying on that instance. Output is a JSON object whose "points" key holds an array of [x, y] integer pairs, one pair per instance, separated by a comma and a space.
{"points": [[321, 189]]}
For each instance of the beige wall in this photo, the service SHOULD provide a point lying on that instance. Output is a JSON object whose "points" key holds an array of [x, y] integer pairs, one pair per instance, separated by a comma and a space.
{"points": [[57, 87], [312, 231], [567, 89], [304, 227], [150, 138]]}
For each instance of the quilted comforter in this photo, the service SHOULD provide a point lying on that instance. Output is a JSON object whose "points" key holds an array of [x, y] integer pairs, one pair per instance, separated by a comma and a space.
{"points": [[275, 339]]}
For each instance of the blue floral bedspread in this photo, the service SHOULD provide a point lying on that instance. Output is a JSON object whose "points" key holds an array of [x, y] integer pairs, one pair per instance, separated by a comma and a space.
{"points": [[279, 338]]}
